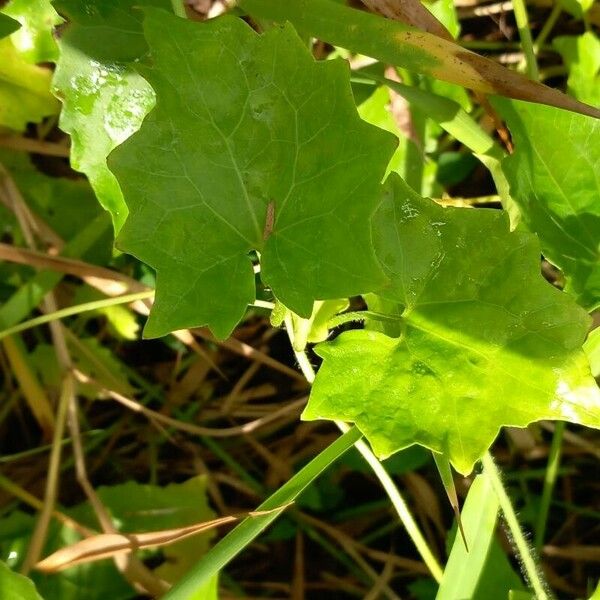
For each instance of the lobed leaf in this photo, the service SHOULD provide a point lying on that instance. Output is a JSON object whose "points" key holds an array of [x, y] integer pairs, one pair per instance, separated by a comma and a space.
{"points": [[104, 98], [553, 177], [253, 145], [484, 340]]}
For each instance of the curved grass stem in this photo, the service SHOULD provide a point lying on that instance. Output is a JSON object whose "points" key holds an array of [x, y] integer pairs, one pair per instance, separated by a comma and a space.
{"points": [[549, 482], [378, 469]]}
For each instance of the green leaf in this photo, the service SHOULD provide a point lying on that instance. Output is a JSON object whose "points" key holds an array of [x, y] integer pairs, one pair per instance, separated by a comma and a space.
{"points": [[16, 587], [34, 40], [253, 145], [24, 89], [464, 567], [485, 341], [553, 176], [104, 98], [315, 329], [581, 54], [7, 25]]}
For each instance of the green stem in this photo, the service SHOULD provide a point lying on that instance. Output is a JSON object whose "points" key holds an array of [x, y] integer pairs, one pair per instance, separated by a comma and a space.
{"points": [[75, 310], [379, 470], [531, 569], [548, 26], [549, 482], [193, 582], [520, 10]]}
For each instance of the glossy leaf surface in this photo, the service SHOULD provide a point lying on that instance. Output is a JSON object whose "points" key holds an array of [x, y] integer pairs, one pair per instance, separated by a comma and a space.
{"points": [[484, 341], [104, 98], [553, 176], [252, 146]]}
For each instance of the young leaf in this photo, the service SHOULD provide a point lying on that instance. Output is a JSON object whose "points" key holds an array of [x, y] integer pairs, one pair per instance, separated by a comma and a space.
{"points": [[16, 587], [104, 99], [397, 44], [252, 146], [24, 89], [553, 176], [485, 341], [34, 40]]}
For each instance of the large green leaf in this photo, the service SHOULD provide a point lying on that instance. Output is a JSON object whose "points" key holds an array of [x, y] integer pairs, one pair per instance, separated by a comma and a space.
{"points": [[582, 57], [252, 146], [104, 99], [16, 587], [34, 40], [484, 340], [24, 89], [553, 176]]}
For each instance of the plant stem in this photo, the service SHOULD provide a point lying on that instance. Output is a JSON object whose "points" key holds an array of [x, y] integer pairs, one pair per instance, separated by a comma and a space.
{"points": [[379, 470], [40, 532], [549, 482], [522, 20], [548, 26], [531, 569]]}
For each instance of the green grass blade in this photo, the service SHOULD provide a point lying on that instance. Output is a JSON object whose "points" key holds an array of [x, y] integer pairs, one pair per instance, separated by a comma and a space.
{"points": [[75, 310], [250, 528], [464, 568]]}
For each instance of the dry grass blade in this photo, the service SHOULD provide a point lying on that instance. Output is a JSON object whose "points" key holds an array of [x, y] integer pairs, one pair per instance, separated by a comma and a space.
{"points": [[189, 427], [109, 545]]}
